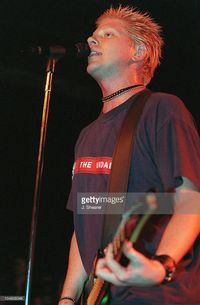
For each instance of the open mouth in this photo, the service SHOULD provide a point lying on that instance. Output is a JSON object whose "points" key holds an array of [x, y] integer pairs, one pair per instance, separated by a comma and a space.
{"points": [[94, 53]]}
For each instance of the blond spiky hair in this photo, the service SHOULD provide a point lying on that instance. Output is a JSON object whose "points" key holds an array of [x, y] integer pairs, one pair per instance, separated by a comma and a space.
{"points": [[144, 31]]}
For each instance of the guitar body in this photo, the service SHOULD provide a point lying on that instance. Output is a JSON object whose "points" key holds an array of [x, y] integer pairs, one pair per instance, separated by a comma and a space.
{"points": [[95, 287], [98, 295]]}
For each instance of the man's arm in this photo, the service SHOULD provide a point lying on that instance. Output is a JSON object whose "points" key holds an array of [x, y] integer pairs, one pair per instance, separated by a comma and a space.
{"points": [[184, 226], [179, 236], [76, 275]]}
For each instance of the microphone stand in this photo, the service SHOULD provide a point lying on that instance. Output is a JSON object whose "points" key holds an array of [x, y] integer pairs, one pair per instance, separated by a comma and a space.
{"points": [[50, 68]]}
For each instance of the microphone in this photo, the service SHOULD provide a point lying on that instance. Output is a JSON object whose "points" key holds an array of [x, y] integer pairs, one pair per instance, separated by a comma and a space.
{"points": [[80, 49]]}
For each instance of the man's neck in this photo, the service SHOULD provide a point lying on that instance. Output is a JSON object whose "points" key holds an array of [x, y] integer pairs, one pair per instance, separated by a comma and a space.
{"points": [[113, 84], [118, 100]]}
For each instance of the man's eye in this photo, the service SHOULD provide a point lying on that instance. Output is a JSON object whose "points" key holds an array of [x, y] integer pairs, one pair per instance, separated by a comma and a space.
{"points": [[108, 34]]}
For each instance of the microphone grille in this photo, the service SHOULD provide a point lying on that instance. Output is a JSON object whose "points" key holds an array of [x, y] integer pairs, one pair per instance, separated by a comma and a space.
{"points": [[82, 49]]}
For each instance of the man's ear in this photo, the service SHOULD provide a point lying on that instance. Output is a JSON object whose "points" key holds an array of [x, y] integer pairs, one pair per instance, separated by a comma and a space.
{"points": [[140, 53]]}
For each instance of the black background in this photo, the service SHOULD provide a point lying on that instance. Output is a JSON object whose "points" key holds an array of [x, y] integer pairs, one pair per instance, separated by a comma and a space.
{"points": [[74, 103]]}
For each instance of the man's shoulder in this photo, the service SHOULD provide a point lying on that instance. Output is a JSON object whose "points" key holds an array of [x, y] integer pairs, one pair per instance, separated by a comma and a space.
{"points": [[167, 99], [165, 108], [89, 127], [167, 104]]}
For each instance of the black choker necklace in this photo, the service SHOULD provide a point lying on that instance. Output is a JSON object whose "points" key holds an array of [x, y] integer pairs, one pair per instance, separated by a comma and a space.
{"points": [[119, 92]]}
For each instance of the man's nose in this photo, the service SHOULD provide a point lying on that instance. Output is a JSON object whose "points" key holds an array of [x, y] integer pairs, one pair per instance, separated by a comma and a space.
{"points": [[92, 41]]}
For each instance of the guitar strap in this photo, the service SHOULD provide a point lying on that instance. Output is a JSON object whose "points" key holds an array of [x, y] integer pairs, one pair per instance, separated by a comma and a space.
{"points": [[119, 176]]}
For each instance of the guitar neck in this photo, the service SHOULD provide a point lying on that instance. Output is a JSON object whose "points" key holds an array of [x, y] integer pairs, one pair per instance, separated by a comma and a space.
{"points": [[138, 224]]}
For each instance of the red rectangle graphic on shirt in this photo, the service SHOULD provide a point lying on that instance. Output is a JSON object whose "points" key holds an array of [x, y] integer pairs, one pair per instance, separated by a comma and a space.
{"points": [[93, 165]]}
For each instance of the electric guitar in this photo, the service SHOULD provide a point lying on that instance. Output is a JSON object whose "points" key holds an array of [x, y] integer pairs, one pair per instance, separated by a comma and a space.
{"points": [[96, 291]]}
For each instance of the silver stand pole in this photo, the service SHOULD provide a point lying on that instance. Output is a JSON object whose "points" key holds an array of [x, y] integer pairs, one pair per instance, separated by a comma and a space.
{"points": [[40, 161]]}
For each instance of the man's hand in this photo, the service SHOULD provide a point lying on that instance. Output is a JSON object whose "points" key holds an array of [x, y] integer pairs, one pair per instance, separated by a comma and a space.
{"points": [[141, 271]]}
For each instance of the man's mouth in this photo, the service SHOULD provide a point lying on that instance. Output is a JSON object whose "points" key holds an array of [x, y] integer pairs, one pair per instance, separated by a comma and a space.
{"points": [[95, 53]]}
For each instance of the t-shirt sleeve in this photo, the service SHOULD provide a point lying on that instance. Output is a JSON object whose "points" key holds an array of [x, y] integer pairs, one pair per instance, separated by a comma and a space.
{"points": [[178, 152], [71, 198]]}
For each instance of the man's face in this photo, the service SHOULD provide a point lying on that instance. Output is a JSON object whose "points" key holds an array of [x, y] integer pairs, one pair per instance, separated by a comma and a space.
{"points": [[111, 50]]}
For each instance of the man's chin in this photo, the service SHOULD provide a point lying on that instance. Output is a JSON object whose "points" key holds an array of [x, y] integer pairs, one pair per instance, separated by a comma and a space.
{"points": [[93, 71]]}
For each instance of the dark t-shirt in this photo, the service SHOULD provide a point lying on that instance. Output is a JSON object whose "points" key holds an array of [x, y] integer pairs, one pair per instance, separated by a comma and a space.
{"points": [[166, 147]]}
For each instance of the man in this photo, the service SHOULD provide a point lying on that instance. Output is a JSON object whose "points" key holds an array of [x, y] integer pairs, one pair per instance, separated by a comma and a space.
{"points": [[125, 50]]}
